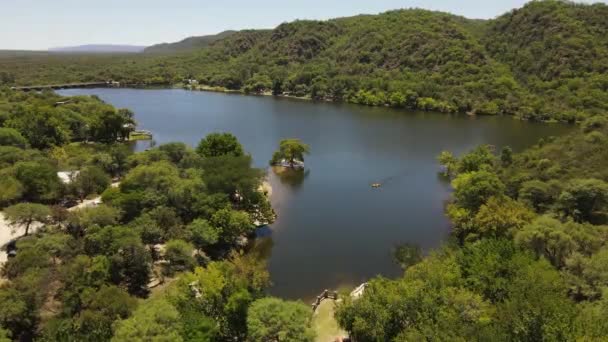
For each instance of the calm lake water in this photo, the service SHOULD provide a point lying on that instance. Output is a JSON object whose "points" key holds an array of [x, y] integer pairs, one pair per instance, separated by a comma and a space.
{"points": [[333, 229]]}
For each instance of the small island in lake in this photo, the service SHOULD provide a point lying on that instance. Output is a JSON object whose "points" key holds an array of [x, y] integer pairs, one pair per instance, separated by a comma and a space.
{"points": [[290, 154]]}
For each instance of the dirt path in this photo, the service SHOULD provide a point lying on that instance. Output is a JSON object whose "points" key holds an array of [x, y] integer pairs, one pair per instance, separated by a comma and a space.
{"points": [[324, 323]]}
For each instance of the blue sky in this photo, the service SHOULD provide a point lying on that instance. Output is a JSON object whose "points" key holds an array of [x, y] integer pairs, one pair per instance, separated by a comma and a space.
{"points": [[40, 24]]}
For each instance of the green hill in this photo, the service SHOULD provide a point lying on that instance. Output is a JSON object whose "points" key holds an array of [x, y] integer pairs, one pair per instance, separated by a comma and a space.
{"points": [[190, 43], [545, 61]]}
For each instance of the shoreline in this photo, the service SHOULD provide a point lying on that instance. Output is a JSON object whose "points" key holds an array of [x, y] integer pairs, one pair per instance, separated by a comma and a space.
{"points": [[223, 90]]}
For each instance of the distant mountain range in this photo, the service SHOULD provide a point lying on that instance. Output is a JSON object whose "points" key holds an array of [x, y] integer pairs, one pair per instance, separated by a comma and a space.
{"points": [[188, 44], [100, 48]]}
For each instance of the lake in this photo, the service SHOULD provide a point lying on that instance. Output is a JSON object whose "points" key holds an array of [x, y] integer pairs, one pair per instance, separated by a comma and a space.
{"points": [[333, 229]]}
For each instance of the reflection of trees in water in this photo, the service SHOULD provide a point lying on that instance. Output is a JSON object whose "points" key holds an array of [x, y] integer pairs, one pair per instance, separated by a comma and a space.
{"points": [[443, 178], [291, 177], [261, 248]]}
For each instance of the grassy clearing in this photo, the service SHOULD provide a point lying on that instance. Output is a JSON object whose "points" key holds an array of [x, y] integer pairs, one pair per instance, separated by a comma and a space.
{"points": [[324, 323]]}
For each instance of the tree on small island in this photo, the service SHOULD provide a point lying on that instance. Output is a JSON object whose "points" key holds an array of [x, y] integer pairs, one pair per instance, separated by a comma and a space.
{"points": [[290, 150]]}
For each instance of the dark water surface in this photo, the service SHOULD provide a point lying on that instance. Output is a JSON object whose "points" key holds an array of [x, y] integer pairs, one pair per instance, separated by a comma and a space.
{"points": [[333, 229]]}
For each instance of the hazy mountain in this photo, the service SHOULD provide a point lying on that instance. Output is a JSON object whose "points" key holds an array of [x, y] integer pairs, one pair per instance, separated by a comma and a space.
{"points": [[190, 43], [100, 48]]}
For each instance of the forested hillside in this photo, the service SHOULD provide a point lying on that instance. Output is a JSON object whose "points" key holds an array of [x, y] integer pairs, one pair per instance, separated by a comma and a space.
{"points": [[544, 61], [190, 43], [528, 261]]}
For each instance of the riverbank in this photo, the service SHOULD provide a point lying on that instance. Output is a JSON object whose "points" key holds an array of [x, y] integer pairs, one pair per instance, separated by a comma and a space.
{"points": [[331, 100], [325, 213]]}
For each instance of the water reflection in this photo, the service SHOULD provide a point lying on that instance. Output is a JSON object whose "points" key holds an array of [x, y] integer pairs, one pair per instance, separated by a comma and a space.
{"points": [[261, 248], [294, 178]]}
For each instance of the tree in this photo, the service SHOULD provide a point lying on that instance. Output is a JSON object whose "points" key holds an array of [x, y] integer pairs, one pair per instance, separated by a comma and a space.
{"points": [[202, 234], [110, 124], [473, 189], [272, 319], [231, 223], [130, 265], [12, 137], [481, 158], [538, 194], [219, 144], [448, 161], [490, 265], [90, 180], [10, 189], [501, 217], [156, 320], [506, 156], [80, 220], [291, 150], [548, 237], [39, 180], [178, 254], [4, 336], [428, 303], [585, 199], [537, 307], [23, 215], [591, 322]]}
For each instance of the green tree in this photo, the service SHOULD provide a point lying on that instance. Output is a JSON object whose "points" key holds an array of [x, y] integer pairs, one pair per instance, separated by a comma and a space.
{"points": [[130, 266], [202, 234], [548, 237], [585, 199], [90, 180], [272, 319], [156, 320], [12, 137], [506, 156], [540, 195], [537, 307], [231, 223], [10, 189], [219, 144], [448, 161], [501, 217], [473, 189], [4, 336], [429, 302], [39, 180], [481, 158], [23, 215], [80, 220], [292, 150], [178, 254]]}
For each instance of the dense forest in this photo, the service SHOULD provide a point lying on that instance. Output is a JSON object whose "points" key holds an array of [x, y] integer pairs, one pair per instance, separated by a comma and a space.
{"points": [[162, 256], [150, 246], [545, 61], [188, 44], [128, 267], [528, 256]]}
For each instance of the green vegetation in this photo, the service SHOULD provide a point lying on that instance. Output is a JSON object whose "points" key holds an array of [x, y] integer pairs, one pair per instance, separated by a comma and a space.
{"points": [[178, 215], [140, 135], [290, 150], [545, 61], [272, 319], [188, 44], [527, 261]]}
